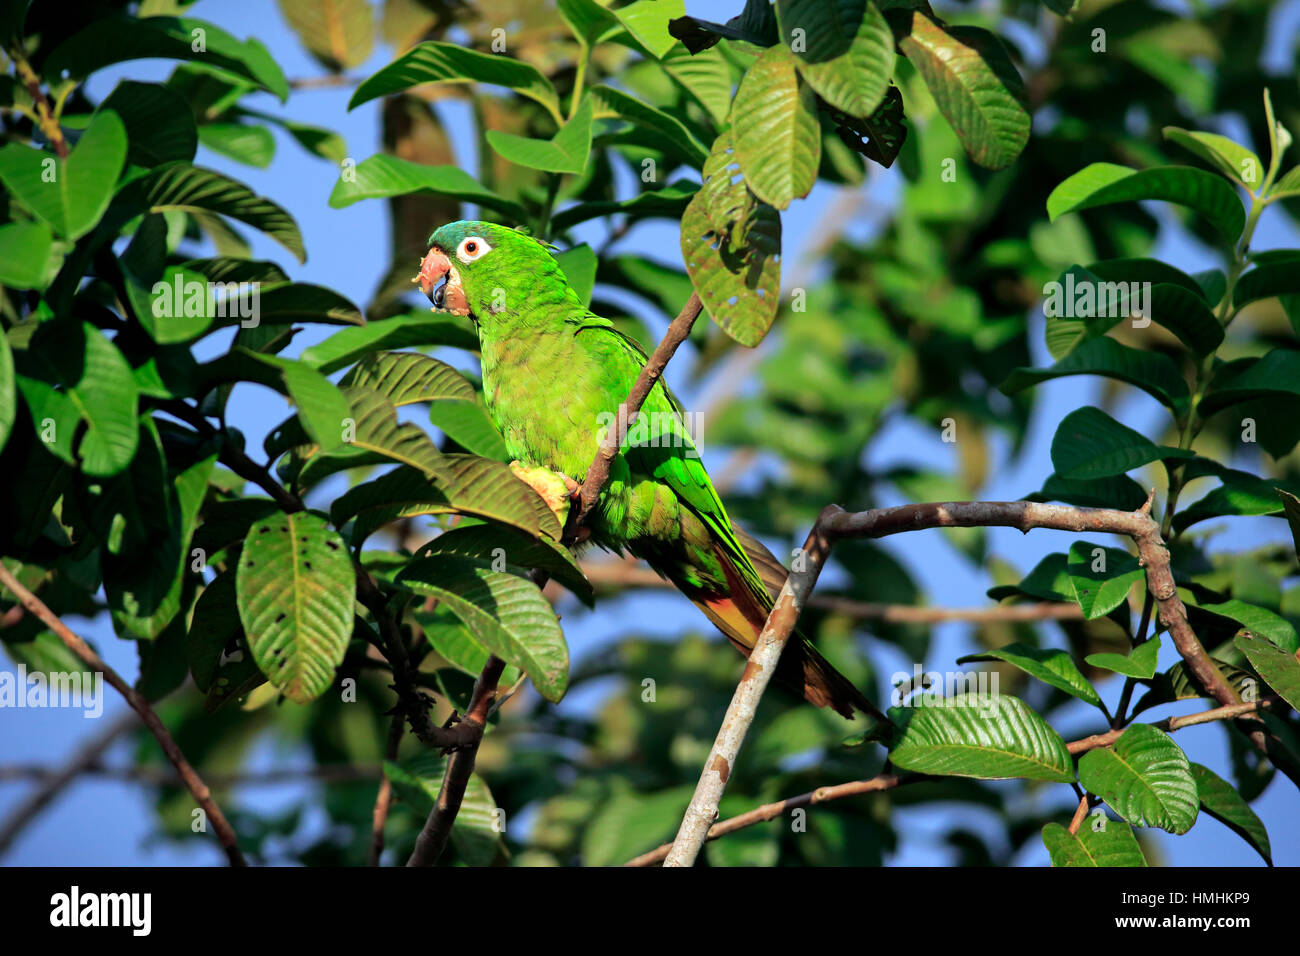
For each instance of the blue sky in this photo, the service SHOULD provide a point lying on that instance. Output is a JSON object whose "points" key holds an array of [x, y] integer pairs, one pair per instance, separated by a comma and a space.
{"points": [[98, 822]]}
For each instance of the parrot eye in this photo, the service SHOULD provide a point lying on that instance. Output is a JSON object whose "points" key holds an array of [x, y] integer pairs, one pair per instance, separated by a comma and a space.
{"points": [[472, 248]]}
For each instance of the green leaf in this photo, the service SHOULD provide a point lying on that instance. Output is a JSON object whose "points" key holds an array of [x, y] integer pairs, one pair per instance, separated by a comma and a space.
{"points": [[405, 378], [383, 176], [579, 266], [979, 735], [1235, 161], [372, 435], [1050, 665], [1113, 844], [242, 142], [1139, 663], [667, 202], [477, 831], [1145, 270], [339, 33], [1287, 185], [630, 823], [1221, 800], [778, 146], [467, 424], [731, 243], [435, 62], [25, 254], [507, 615], [1258, 620], [588, 20], [1278, 667], [193, 189], [1145, 778], [117, 39], [1117, 491], [507, 548], [1090, 444], [70, 376], [1179, 683], [1274, 375], [706, 76], [1155, 374], [615, 104], [974, 84], [1240, 494], [461, 484], [8, 392], [1104, 183], [1290, 503], [70, 194], [848, 51], [1100, 591], [295, 589], [566, 152], [1268, 279], [421, 329], [1186, 315], [648, 22], [159, 125]]}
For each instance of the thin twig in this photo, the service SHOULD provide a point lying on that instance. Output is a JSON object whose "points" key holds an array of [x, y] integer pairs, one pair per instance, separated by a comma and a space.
{"points": [[1080, 814], [632, 574], [189, 776], [384, 799], [887, 781], [835, 523], [460, 765], [54, 780], [46, 120]]}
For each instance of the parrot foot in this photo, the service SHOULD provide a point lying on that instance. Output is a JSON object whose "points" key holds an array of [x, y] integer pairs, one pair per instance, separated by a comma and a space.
{"points": [[555, 489]]}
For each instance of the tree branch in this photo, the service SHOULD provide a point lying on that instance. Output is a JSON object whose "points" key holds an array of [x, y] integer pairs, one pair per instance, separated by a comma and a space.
{"points": [[888, 781], [53, 781], [189, 776], [384, 799], [834, 522]]}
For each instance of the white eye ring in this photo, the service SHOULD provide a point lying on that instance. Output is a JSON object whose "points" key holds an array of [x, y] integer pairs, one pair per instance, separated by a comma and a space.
{"points": [[474, 247]]}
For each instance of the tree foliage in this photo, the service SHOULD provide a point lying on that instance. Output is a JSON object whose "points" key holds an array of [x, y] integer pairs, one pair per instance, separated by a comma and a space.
{"points": [[125, 489]]}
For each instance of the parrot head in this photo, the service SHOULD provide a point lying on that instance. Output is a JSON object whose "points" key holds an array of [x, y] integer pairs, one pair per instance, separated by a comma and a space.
{"points": [[470, 265]]}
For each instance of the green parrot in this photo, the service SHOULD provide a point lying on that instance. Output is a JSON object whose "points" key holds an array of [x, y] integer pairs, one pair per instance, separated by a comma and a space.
{"points": [[554, 375]]}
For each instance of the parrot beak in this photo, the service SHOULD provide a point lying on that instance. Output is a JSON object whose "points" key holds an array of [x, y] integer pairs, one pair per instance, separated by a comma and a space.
{"points": [[441, 283]]}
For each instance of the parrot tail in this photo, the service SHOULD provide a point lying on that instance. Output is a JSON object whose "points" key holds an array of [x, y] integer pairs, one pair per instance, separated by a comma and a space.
{"points": [[741, 616]]}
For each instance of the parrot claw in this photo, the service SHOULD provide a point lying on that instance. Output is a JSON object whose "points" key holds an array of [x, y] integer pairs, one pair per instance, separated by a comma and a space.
{"points": [[556, 489]]}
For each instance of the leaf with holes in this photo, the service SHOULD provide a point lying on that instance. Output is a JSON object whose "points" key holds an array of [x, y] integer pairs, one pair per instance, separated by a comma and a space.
{"points": [[979, 735], [1050, 665], [973, 82], [295, 589], [731, 244], [1104, 183], [1102, 581], [1279, 668], [1145, 778], [778, 146], [506, 613], [848, 52], [1112, 844]]}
